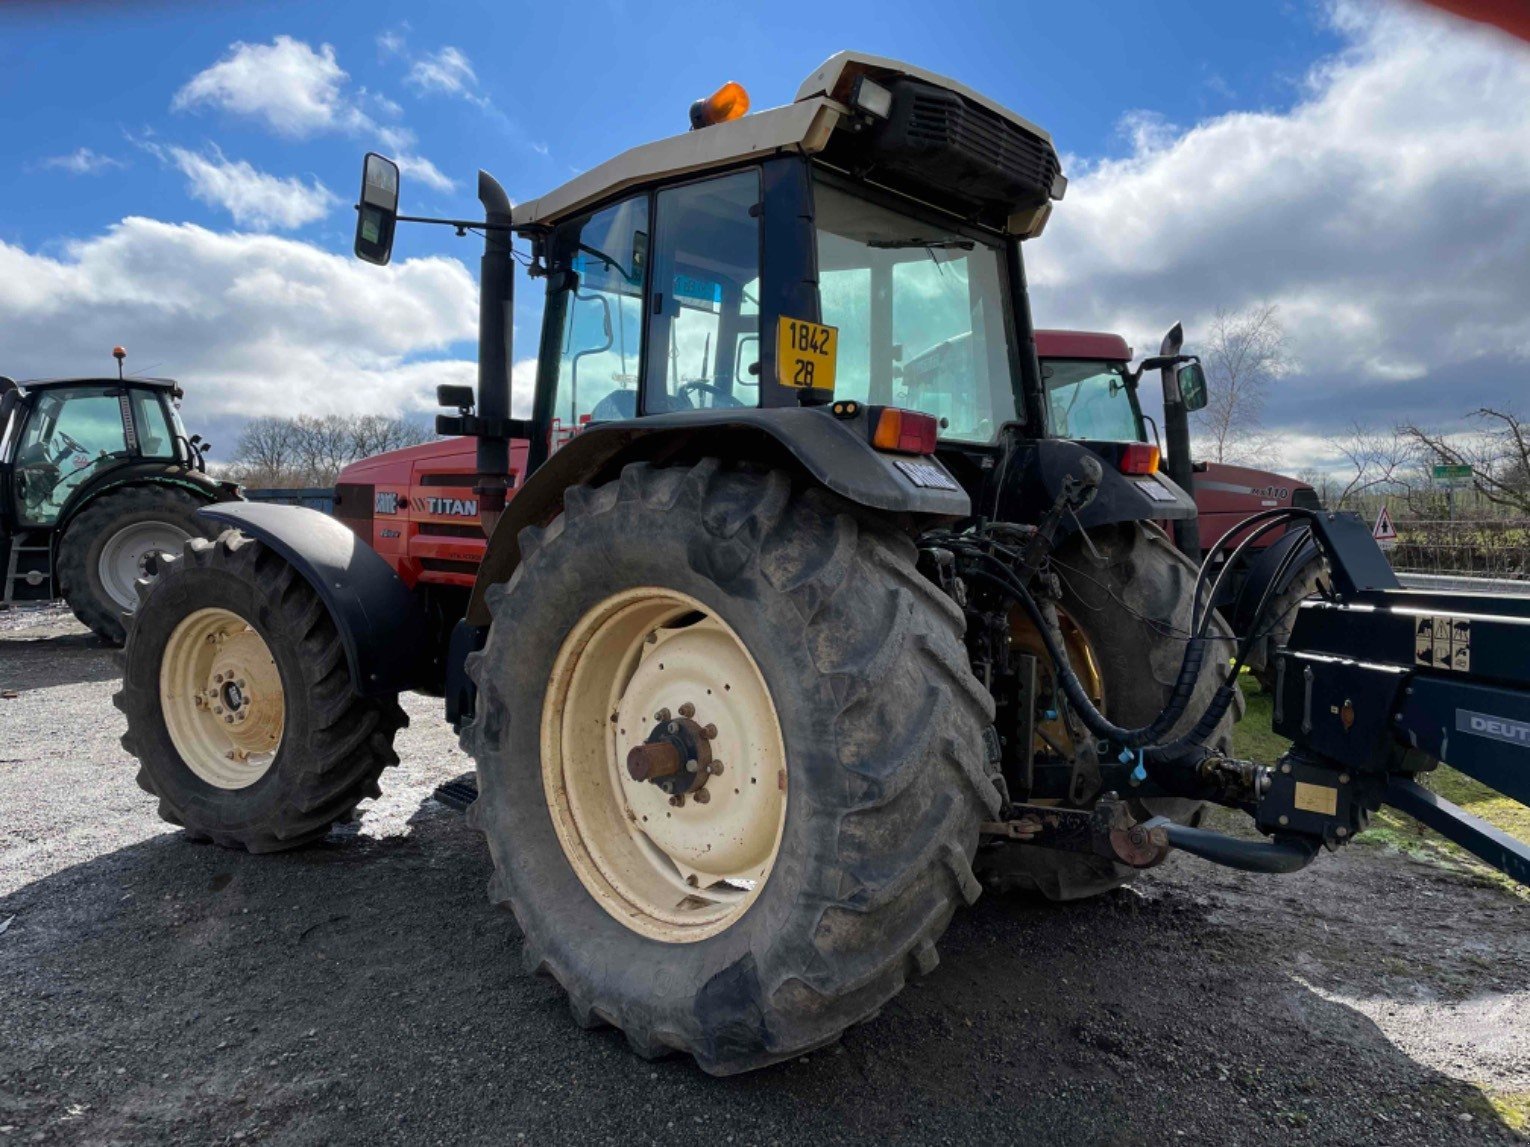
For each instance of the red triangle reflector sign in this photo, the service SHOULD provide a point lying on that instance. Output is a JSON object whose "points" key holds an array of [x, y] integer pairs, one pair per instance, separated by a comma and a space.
{"points": [[1384, 531]]}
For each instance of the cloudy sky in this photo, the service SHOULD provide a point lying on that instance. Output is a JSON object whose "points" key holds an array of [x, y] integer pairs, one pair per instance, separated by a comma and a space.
{"points": [[181, 180]]}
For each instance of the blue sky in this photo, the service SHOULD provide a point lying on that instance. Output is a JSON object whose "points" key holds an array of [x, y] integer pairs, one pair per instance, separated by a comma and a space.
{"points": [[137, 146]]}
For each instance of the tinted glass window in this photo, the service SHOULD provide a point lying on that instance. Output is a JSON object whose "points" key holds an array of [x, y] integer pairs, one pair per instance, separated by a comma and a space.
{"points": [[704, 333], [1089, 399], [155, 437], [70, 436], [921, 315], [596, 267]]}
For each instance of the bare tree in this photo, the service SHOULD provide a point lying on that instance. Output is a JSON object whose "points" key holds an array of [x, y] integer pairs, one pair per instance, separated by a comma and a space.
{"points": [[311, 451], [1244, 352], [1374, 461], [1498, 454]]}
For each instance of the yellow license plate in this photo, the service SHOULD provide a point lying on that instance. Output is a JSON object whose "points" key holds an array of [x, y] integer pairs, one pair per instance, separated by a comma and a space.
{"points": [[805, 354]]}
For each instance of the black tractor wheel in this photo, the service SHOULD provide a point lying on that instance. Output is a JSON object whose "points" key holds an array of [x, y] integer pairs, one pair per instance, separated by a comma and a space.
{"points": [[239, 701], [1282, 616], [115, 541], [1125, 612], [731, 761]]}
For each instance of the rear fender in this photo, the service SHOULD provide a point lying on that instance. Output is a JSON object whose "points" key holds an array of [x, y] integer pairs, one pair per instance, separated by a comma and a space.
{"points": [[382, 623], [1262, 578], [834, 452], [1034, 477]]}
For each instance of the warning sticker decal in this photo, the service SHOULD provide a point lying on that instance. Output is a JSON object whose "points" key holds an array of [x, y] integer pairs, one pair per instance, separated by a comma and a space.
{"points": [[1443, 642]]}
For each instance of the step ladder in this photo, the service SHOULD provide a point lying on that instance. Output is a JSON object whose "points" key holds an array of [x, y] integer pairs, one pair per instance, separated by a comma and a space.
{"points": [[20, 572]]}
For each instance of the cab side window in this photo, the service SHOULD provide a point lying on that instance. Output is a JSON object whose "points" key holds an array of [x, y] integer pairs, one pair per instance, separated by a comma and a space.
{"points": [[704, 317], [595, 304], [155, 439], [70, 435]]}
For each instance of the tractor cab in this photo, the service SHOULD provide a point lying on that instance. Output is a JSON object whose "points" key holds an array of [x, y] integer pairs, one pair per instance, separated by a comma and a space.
{"points": [[63, 436], [97, 481]]}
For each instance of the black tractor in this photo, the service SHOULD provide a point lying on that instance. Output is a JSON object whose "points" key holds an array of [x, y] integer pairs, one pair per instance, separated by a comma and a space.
{"points": [[97, 480]]}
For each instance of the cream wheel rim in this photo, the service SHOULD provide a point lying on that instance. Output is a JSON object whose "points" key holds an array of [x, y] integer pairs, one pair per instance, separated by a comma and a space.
{"points": [[643, 662], [222, 700]]}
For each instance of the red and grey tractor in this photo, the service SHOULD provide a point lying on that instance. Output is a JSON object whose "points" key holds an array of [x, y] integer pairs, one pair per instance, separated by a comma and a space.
{"points": [[98, 479], [765, 676]]}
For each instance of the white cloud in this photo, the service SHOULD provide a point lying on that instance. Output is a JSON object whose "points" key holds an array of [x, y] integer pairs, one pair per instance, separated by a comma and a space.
{"points": [[446, 72], [248, 323], [81, 161], [252, 197], [298, 92], [1387, 214]]}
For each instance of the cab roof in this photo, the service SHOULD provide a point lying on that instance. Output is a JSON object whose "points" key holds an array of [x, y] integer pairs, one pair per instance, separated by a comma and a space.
{"points": [[1082, 344], [86, 380], [804, 125]]}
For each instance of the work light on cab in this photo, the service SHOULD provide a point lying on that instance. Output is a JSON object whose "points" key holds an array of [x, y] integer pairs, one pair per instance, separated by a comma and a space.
{"points": [[728, 102]]}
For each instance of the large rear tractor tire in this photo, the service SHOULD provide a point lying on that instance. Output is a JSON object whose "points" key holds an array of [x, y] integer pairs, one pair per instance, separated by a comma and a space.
{"points": [[1282, 616], [1130, 608], [115, 541], [798, 704], [239, 701]]}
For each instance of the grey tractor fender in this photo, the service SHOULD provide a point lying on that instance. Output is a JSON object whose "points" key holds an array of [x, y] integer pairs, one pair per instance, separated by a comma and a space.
{"points": [[382, 623], [831, 450]]}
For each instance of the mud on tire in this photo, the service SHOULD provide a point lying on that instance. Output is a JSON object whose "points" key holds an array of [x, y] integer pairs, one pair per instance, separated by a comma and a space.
{"points": [[335, 743], [881, 721], [1133, 603]]}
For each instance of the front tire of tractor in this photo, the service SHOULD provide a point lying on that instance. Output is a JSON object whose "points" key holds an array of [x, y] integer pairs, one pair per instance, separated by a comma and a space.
{"points": [[832, 849], [1130, 597], [239, 701], [105, 550]]}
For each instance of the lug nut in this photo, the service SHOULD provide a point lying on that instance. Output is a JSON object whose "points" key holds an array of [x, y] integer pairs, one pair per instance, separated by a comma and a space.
{"points": [[240, 683], [715, 768], [662, 715], [701, 796], [709, 732], [229, 720], [677, 801], [687, 710]]}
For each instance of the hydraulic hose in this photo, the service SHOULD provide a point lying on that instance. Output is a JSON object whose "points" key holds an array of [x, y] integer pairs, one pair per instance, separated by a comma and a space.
{"points": [[1144, 738]]}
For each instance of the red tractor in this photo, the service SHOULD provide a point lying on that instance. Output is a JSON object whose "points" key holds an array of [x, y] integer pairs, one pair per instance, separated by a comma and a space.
{"points": [[1092, 393]]}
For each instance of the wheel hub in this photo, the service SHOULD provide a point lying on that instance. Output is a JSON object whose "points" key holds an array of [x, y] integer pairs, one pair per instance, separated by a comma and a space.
{"points": [[677, 756], [221, 695], [650, 695]]}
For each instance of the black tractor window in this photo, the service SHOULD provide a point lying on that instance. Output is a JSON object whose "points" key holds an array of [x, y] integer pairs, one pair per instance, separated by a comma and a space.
{"points": [[70, 436], [596, 269], [704, 329], [921, 314]]}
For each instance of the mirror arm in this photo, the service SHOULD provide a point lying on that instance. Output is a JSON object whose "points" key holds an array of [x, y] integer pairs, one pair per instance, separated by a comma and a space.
{"points": [[460, 224]]}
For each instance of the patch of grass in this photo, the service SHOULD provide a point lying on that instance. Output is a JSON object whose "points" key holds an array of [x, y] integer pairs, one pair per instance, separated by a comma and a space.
{"points": [[1253, 739], [1513, 1107]]}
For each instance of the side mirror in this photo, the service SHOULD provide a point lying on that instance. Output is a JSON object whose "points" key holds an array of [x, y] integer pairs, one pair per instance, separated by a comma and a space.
{"points": [[377, 212], [1191, 379]]}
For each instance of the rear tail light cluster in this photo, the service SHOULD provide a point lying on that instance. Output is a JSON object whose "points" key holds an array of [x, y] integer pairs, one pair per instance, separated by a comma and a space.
{"points": [[891, 428], [1137, 458], [904, 431]]}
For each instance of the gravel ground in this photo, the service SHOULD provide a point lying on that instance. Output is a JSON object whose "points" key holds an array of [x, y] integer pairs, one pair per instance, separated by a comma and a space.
{"points": [[364, 990]]}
